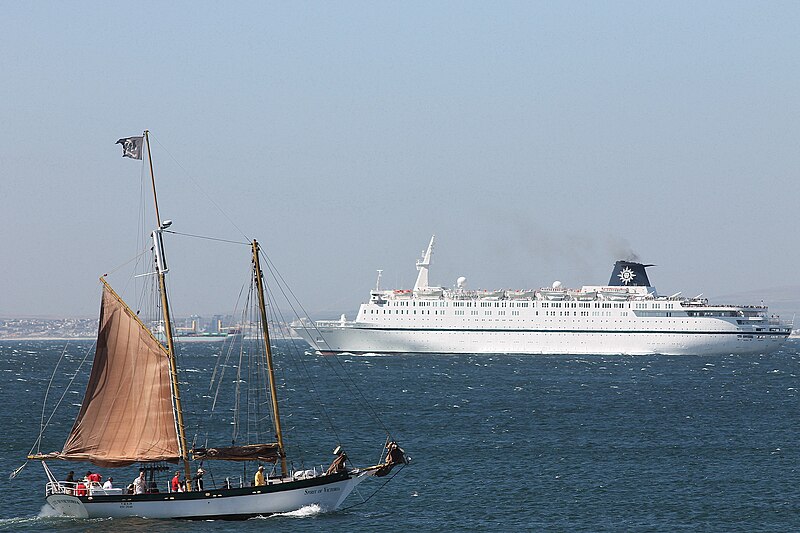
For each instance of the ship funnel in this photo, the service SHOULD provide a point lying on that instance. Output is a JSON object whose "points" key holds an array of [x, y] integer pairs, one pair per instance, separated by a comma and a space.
{"points": [[629, 274]]}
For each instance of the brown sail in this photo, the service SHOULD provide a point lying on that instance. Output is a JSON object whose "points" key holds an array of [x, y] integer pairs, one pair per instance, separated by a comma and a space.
{"points": [[127, 415], [267, 453]]}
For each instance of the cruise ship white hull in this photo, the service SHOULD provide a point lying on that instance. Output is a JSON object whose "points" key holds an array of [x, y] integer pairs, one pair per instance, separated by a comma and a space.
{"points": [[354, 339], [627, 316]]}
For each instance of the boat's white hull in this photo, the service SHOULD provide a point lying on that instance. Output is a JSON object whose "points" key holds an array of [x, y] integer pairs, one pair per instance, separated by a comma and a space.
{"points": [[327, 492], [338, 339]]}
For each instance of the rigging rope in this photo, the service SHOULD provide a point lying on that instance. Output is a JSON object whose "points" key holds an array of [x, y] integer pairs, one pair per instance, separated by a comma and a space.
{"points": [[43, 425], [295, 356], [375, 491], [208, 196], [71, 381], [273, 269], [365, 402], [46, 393], [205, 237], [219, 367], [132, 259]]}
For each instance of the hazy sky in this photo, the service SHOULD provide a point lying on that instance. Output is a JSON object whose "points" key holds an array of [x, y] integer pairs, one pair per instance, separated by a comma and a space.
{"points": [[537, 140]]}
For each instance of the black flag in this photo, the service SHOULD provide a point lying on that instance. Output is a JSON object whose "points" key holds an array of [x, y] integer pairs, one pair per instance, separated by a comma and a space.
{"points": [[131, 147]]}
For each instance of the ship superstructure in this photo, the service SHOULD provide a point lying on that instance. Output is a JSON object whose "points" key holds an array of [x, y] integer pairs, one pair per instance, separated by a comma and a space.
{"points": [[626, 316]]}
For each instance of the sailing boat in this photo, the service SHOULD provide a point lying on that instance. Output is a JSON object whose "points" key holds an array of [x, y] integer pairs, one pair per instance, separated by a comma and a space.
{"points": [[132, 413]]}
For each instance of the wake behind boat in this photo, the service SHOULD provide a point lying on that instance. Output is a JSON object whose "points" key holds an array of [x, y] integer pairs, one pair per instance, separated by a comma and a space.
{"points": [[132, 414], [626, 316]]}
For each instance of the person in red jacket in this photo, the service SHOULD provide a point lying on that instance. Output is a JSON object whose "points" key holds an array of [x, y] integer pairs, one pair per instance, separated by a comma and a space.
{"points": [[176, 482]]}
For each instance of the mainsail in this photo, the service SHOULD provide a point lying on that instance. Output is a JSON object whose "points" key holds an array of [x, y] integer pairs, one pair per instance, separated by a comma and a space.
{"points": [[126, 415]]}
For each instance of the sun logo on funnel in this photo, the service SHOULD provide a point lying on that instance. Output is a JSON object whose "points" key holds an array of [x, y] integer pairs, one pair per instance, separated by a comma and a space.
{"points": [[626, 276]]}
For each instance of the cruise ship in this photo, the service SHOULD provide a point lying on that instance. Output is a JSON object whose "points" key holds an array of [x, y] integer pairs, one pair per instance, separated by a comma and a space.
{"points": [[627, 316]]}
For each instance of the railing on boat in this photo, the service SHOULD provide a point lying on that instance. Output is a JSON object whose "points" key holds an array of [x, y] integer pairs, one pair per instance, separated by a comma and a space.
{"points": [[93, 488], [79, 488]]}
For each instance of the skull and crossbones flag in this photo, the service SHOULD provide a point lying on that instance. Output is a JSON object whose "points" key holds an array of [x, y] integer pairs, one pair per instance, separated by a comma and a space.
{"points": [[131, 147]]}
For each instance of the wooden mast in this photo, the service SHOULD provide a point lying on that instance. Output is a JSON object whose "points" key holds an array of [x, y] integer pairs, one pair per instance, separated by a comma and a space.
{"points": [[162, 289], [273, 391]]}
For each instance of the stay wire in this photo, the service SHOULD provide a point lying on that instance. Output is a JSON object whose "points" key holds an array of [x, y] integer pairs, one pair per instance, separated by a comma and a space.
{"points": [[43, 425], [217, 239], [295, 356], [71, 381], [375, 491], [208, 196], [364, 400], [47, 393], [365, 403]]}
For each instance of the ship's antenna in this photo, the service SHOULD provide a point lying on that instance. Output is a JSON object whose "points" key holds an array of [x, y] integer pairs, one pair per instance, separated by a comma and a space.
{"points": [[378, 283]]}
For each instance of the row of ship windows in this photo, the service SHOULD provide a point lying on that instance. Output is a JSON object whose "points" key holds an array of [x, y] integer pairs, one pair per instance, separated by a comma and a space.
{"points": [[719, 314], [544, 305], [461, 312]]}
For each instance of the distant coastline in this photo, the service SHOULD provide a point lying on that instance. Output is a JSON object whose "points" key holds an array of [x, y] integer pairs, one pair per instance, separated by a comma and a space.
{"points": [[30, 338]]}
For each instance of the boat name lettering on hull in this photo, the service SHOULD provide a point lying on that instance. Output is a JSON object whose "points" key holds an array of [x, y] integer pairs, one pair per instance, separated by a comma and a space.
{"points": [[320, 491]]}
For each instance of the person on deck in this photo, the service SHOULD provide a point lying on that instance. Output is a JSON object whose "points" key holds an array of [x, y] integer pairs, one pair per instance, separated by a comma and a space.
{"points": [[139, 484], [70, 481], [259, 478], [175, 485], [338, 464], [198, 479], [93, 477], [108, 485]]}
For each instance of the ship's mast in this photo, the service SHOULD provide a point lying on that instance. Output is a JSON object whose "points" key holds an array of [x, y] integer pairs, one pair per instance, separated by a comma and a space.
{"points": [[422, 266], [161, 270], [273, 390]]}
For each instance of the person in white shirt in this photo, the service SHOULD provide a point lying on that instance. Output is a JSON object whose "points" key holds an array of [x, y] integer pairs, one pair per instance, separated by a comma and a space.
{"points": [[139, 484], [108, 484]]}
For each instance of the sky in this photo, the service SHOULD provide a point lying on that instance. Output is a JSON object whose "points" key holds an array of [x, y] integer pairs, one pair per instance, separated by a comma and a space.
{"points": [[539, 141]]}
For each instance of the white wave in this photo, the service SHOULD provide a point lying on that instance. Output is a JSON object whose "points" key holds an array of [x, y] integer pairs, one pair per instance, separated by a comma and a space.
{"points": [[304, 512], [10, 522], [48, 511]]}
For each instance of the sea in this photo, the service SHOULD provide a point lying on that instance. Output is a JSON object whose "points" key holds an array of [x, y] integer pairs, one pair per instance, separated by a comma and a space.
{"points": [[498, 442]]}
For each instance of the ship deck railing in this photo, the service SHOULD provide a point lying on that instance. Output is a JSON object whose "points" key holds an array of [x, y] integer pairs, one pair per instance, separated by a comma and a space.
{"points": [[462, 295], [93, 488], [79, 488], [333, 323]]}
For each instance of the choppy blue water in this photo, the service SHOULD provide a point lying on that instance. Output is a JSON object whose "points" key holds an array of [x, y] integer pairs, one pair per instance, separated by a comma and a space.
{"points": [[500, 443]]}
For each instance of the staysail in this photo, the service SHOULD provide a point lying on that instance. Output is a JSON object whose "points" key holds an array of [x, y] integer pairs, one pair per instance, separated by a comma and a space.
{"points": [[126, 415]]}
